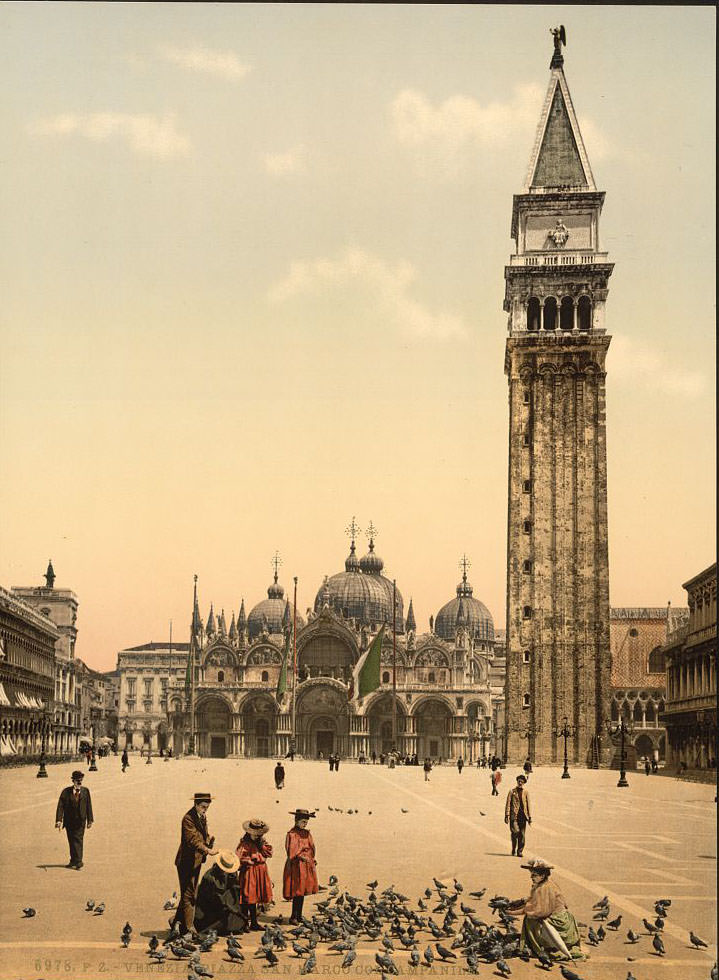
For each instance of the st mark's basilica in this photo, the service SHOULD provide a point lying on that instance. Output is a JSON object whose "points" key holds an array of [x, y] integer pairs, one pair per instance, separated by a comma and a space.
{"points": [[449, 681]]}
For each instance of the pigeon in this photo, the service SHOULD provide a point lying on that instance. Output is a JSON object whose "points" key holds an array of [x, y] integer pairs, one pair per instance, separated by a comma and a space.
{"points": [[270, 957], [659, 923], [602, 903], [482, 813], [592, 937], [632, 936], [89, 905], [179, 951], [153, 944], [169, 905], [695, 940], [602, 914], [413, 958], [235, 954], [630, 975], [388, 944], [601, 934], [385, 962], [99, 909], [159, 955], [333, 879], [309, 964], [568, 974], [658, 944], [714, 974], [458, 886], [403, 810], [546, 960], [29, 912], [349, 958], [127, 929], [300, 950], [372, 885], [503, 968], [479, 894], [202, 971], [125, 939], [615, 923], [649, 927], [445, 953], [472, 963]]}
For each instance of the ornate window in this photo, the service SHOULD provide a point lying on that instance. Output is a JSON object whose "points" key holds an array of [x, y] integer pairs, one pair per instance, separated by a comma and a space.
{"points": [[584, 313], [265, 676], [656, 661], [220, 676], [385, 677], [550, 313], [566, 313]]}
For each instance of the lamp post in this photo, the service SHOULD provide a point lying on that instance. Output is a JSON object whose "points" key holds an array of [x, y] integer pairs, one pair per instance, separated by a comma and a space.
{"points": [[93, 765], [622, 729], [565, 732], [42, 771]]}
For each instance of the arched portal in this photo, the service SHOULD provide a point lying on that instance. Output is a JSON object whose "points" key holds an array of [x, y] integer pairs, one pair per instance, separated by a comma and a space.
{"points": [[433, 726], [644, 746], [322, 720], [213, 728], [259, 723], [379, 715], [326, 655]]}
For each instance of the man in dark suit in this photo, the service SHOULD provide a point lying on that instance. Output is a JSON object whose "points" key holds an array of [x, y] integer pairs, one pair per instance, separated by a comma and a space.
{"points": [[195, 845], [74, 813], [517, 813]]}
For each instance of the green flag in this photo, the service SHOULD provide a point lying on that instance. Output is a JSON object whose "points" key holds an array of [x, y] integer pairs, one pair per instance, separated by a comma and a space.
{"points": [[282, 679], [365, 677]]}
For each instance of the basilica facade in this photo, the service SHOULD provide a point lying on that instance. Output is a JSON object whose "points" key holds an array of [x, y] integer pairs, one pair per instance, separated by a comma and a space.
{"points": [[447, 697]]}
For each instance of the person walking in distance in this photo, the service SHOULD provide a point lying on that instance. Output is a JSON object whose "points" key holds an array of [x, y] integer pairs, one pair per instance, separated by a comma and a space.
{"points": [[427, 769], [299, 877], [496, 778], [124, 760], [518, 814], [74, 813], [195, 846], [460, 765]]}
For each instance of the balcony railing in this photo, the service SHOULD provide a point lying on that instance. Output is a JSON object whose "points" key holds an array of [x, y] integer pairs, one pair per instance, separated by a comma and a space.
{"points": [[559, 259]]}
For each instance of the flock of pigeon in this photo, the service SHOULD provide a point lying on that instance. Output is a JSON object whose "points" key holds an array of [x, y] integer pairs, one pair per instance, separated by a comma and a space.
{"points": [[440, 926]]}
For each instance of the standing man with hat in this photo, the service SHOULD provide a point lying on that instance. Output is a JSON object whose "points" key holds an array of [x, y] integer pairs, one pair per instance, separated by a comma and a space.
{"points": [[299, 877], [195, 845], [74, 813], [517, 813]]}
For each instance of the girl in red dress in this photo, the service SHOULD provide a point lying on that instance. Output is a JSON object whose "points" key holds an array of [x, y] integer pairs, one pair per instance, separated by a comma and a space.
{"points": [[300, 874], [255, 885]]}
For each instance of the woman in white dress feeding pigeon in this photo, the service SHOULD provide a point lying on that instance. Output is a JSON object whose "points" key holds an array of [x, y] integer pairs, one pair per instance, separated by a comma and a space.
{"points": [[549, 927]]}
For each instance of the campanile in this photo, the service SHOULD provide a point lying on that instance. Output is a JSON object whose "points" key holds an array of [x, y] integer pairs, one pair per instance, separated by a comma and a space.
{"points": [[558, 661]]}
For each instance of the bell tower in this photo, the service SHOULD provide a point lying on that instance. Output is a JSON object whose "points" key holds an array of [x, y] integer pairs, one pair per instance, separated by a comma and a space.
{"points": [[558, 660]]}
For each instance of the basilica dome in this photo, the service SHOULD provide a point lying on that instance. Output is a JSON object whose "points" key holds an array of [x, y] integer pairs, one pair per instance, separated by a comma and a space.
{"points": [[361, 592], [270, 611], [475, 616]]}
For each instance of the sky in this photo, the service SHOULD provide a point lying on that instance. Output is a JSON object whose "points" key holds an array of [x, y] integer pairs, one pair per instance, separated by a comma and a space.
{"points": [[252, 285]]}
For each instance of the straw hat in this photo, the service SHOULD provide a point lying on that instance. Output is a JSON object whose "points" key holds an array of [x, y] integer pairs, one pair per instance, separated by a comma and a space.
{"points": [[301, 814], [256, 826], [537, 864], [202, 798], [227, 861]]}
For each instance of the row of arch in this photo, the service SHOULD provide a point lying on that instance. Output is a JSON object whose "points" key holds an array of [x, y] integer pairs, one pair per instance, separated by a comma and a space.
{"points": [[224, 656], [549, 314]]}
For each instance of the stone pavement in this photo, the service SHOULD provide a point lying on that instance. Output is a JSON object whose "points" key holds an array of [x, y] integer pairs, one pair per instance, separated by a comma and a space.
{"points": [[656, 839]]}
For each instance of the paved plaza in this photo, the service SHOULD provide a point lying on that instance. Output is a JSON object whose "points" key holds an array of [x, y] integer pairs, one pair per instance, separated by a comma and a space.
{"points": [[656, 839]]}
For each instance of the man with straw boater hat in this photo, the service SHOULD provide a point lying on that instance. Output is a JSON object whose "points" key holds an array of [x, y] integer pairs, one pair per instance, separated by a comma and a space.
{"points": [[218, 897], [195, 845], [549, 927]]}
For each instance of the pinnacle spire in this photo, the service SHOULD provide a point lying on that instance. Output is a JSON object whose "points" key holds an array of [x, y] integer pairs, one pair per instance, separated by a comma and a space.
{"points": [[211, 628], [411, 622], [233, 629], [241, 617]]}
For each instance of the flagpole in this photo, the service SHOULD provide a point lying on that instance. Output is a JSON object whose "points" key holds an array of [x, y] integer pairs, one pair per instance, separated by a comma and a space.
{"points": [[191, 745], [394, 665], [294, 667]]}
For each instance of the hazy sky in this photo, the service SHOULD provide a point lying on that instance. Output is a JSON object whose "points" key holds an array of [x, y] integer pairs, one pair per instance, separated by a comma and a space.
{"points": [[253, 271]]}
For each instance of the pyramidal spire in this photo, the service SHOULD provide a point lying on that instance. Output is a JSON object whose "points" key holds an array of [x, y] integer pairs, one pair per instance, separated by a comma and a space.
{"points": [[559, 159], [233, 629], [241, 617], [222, 625], [411, 622], [211, 628]]}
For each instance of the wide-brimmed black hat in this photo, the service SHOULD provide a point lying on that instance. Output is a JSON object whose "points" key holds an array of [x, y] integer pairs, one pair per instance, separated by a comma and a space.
{"points": [[301, 814], [77, 775]]}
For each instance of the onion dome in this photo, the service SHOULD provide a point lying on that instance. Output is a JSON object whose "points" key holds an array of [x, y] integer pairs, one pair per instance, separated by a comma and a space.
{"points": [[272, 609], [465, 611], [371, 564], [352, 562]]}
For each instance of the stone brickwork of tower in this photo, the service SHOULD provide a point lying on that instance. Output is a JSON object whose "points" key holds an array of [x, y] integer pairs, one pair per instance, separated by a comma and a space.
{"points": [[558, 653]]}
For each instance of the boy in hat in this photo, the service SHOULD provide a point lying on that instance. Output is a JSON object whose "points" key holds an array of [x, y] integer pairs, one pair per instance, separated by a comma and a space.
{"points": [[517, 813], [548, 925], [300, 874], [195, 845], [74, 813], [218, 897], [255, 884]]}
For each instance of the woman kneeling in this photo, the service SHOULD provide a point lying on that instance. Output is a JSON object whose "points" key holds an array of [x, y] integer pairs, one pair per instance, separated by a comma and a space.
{"points": [[549, 926]]}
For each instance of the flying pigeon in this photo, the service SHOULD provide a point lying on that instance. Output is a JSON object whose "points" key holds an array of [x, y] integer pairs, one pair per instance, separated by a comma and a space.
{"points": [[29, 912], [658, 944]]}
